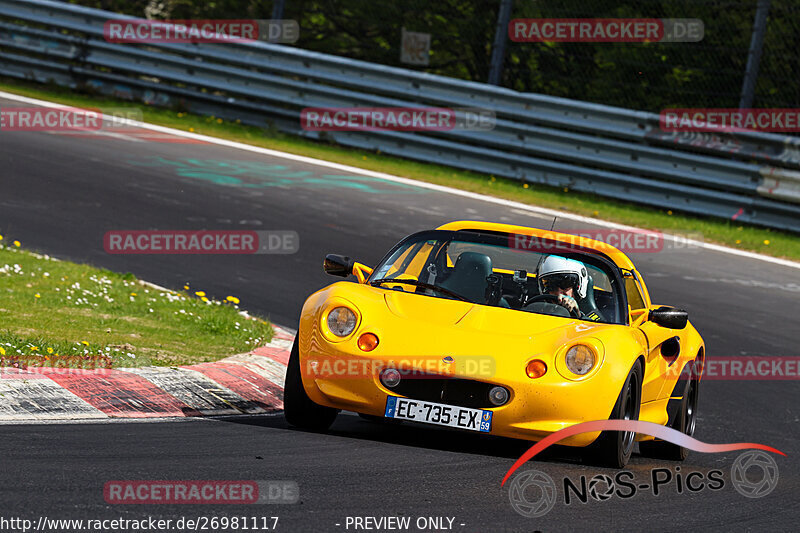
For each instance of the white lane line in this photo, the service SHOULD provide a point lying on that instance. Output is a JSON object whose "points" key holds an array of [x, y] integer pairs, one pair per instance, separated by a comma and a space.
{"points": [[422, 184]]}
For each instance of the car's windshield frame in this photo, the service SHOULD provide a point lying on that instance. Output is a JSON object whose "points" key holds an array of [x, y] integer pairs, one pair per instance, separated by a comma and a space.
{"points": [[589, 256]]}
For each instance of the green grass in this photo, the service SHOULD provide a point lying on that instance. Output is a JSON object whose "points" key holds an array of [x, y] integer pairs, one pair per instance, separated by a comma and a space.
{"points": [[735, 235], [63, 314]]}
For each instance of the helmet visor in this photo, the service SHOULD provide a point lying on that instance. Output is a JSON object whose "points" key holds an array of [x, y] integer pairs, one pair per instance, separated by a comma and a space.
{"points": [[552, 282]]}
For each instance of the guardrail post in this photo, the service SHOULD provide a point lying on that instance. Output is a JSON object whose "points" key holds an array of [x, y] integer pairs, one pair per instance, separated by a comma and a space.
{"points": [[277, 9], [754, 54], [500, 38]]}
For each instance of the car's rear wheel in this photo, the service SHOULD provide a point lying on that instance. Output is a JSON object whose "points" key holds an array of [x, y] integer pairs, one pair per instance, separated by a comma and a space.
{"points": [[685, 421], [298, 408], [614, 448]]}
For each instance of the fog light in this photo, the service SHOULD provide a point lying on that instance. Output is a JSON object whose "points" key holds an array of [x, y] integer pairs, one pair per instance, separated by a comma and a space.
{"points": [[368, 342], [498, 395], [536, 369], [390, 377]]}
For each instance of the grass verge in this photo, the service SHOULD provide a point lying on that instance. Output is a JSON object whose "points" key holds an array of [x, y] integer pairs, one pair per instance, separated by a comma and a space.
{"points": [[63, 314], [729, 233]]}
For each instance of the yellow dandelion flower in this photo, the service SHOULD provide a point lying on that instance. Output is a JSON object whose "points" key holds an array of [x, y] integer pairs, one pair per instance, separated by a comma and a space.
{"points": [[766, 241], [37, 295], [669, 212], [200, 293], [133, 294], [17, 244], [1, 237], [204, 299], [738, 241], [2, 351], [85, 343], [233, 299], [525, 186], [219, 121], [595, 213], [186, 287], [34, 348], [191, 129], [49, 350]]}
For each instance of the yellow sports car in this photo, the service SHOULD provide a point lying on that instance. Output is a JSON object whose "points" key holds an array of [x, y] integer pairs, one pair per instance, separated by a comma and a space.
{"points": [[501, 329]]}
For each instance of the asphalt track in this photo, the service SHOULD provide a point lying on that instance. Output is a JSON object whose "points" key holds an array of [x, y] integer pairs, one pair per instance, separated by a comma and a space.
{"points": [[59, 194]]}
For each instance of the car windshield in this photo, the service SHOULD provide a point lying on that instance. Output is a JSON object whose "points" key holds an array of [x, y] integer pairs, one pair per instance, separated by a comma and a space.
{"points": [[488, 269]]}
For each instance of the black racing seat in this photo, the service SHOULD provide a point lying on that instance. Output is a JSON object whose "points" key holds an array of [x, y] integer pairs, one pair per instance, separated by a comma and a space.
{"points": [[468, 277], [588, 305]]}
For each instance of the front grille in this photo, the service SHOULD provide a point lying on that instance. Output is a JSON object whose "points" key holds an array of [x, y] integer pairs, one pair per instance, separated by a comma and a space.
{"points": [[451, 391]]}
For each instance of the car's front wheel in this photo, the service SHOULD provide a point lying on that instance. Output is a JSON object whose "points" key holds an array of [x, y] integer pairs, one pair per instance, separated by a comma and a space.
{"points": [[685, 422], [298, 408], [614, 448]]}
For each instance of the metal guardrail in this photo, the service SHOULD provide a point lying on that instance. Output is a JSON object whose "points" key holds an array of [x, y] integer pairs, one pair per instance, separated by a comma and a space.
{"points": [[618, 153]]}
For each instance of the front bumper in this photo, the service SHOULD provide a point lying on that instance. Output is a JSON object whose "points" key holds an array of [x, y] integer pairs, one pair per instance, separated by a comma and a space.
{"points": [[535, 409]]}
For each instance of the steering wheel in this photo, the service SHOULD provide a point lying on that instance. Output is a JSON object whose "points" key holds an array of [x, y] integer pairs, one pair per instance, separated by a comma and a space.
{"points": [[553, 299]]}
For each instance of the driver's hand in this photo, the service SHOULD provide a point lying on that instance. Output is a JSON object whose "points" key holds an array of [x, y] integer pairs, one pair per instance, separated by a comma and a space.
{"points": [[569, 303]]}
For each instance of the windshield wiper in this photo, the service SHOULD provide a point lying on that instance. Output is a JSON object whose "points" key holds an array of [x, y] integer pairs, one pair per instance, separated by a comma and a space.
{"points": [[416, 283]]}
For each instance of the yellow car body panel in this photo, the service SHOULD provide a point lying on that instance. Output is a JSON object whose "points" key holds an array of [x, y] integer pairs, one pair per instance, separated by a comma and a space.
{"points": [[500, 341]]}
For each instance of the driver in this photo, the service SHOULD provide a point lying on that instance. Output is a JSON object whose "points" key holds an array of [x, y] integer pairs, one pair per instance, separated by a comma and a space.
{"points": [[566, 279]]}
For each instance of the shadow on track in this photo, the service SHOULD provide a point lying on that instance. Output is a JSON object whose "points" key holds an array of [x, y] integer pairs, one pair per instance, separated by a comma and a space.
{"points": [[410, 434]]}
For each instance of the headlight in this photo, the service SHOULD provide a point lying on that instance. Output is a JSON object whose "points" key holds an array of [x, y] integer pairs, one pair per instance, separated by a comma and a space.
{"points": [[580, 359], [341, 321]]}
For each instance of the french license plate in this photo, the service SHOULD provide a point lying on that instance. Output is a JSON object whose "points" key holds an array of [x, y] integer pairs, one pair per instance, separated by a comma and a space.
{"points": [[436, 413]]}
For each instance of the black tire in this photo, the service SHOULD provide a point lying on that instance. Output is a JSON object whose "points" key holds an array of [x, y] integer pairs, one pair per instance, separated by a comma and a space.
{"points": [[685, 421], [298, 408], [614, 448]]}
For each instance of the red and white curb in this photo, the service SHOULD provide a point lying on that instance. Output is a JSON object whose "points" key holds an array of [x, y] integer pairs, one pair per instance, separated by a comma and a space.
{"points": [[249, 383]]}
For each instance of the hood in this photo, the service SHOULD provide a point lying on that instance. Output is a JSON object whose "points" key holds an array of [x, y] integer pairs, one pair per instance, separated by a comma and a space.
{"points": [[482, 323]]}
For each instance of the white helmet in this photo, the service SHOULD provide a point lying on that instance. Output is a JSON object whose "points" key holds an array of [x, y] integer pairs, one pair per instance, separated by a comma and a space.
{"points": [[564, 273]]}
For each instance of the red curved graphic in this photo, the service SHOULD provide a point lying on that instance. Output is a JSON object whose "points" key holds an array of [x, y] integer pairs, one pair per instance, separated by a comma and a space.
{"points": [[645, 428]]}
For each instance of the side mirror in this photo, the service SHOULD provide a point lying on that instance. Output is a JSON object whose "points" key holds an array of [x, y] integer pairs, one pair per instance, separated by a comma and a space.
{"points": [[338, 265], [669, 317]]}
